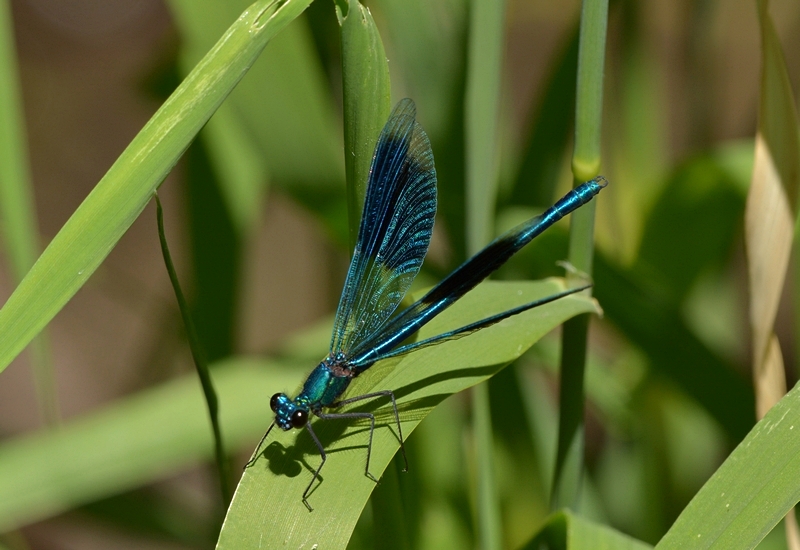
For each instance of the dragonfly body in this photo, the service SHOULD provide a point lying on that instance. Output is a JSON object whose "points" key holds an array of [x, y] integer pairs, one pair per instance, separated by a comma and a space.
{"points": [[321, 389], [393, 238]]}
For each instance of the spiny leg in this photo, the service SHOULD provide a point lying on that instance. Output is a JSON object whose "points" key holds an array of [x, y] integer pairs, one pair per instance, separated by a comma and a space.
{"points": [[319, 468], [258, 447], [382, 393], [371, 418]]}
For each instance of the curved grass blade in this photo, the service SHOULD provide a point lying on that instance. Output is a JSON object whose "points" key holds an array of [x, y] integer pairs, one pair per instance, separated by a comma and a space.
{"points": [[267, 507], [367, 101], [770, 219], [753, 489], [16, 192], [120, 196], [223, 466]]}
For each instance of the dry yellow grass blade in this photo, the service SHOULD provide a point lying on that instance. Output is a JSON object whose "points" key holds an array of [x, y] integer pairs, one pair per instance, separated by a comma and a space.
{"points": [[769, 223], [769, 227], [770, 382]]}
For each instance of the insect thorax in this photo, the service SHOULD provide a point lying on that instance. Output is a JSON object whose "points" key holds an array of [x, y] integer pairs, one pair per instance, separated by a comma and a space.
{"points": [[327, 381]]}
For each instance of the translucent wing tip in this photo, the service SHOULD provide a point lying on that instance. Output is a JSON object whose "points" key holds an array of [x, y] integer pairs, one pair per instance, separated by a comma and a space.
{"points": [[404, 107]]}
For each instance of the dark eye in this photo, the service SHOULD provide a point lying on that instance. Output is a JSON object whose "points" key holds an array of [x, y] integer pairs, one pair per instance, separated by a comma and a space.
{"points": [[299, 418], [273, 402]]}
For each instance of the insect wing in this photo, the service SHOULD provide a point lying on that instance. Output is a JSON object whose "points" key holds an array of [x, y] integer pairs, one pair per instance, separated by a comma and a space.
{"points": [[395, 230], [465, 277]]}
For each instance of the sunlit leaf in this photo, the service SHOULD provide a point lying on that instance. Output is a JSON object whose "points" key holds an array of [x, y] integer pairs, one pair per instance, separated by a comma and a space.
{"points": [[750, 493], [267, 508]]}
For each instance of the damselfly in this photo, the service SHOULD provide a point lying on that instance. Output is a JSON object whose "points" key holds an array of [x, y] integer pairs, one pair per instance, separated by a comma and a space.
{"points": [[393, 238]]}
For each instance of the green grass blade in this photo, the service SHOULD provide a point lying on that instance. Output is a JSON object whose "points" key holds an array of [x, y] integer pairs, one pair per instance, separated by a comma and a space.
{"points": [[241, 169], [589, 97], [413, 30], [567, 531], [120, 196], [753, 489], [482, 98], [133, 442], [487, 501], [17, 209], [585, 160], [223, 467], [568, 472], [239, 166], [16, 192], [367, 100], [267, 507], [216, 254]]}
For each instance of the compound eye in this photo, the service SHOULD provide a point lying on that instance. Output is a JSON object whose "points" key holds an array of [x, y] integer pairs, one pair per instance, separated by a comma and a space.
{"points": [[273, 402], [299, 418]]}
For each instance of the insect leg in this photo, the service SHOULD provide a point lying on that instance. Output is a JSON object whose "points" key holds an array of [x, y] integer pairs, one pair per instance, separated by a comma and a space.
{"points": [[371, 418], [258, 448], [319, 468], [396, 417]]}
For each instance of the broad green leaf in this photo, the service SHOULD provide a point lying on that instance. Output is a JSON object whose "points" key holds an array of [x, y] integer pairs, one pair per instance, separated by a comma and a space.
{"points": [[426, 43], [637, 155], [286, 107], [120, 196], [239, 165], [567, 531], [216, 252], [267, 507], [135, 441], [367, 100], [753, 489]]}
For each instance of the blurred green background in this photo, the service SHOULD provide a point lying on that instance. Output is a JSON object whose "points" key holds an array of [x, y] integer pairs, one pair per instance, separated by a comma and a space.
{"points": [[256, 218]]}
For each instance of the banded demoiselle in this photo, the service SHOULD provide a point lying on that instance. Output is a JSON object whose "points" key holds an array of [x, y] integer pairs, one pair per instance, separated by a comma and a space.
{"points": [[393, 238]]}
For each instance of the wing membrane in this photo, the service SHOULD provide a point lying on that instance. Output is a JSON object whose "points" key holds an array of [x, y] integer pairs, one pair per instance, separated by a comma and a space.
{"points": [[395, 230], [465, 277]]}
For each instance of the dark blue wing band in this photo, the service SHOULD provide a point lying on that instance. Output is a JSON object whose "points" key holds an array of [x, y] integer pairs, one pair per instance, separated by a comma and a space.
{"points": [[395, 230], [468, 275]]}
